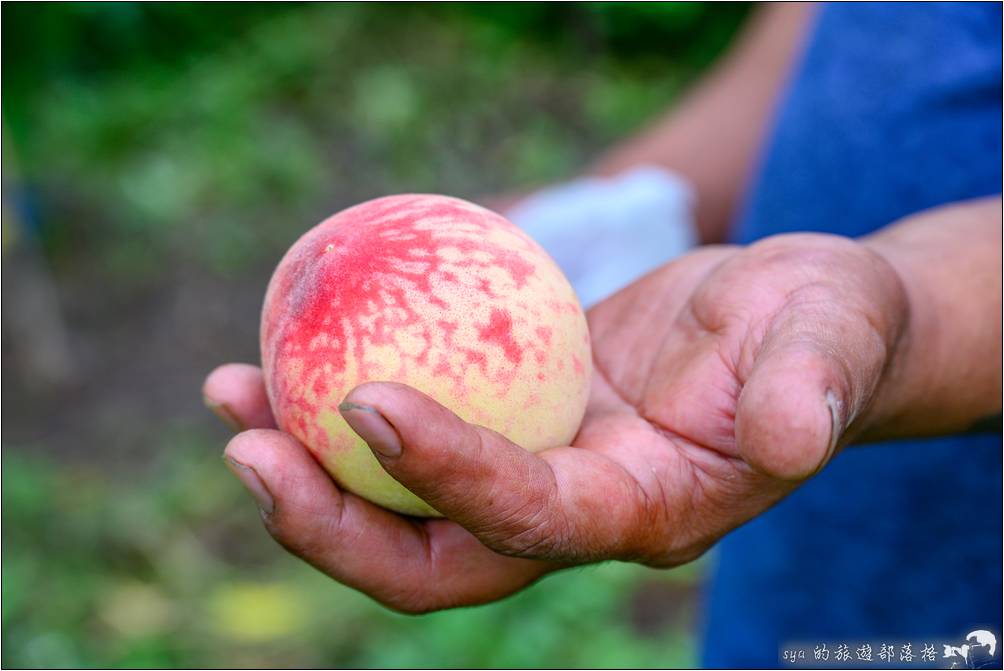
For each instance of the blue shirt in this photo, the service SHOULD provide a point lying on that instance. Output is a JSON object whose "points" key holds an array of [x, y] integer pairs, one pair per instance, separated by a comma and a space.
{"points": [[892, 109]]}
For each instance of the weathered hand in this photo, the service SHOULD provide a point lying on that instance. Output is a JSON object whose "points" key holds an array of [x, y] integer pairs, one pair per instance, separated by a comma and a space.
{"points": [[722, 381]]}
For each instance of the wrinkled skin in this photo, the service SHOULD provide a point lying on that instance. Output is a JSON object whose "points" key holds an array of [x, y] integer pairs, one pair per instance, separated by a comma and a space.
{"points": [[721, 382]]}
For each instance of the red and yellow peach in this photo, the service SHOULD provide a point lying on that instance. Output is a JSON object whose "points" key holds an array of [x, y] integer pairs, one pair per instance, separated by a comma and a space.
{"points": [[433, 292]]}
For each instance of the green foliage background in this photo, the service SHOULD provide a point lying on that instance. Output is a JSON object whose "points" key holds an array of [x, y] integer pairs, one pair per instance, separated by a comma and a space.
{"points": [[168, 154]]}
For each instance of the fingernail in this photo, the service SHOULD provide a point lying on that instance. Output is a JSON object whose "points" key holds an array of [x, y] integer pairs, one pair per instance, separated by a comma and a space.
{"points": [[247, 475], [372, 427], [223, 411], [836, 427]]}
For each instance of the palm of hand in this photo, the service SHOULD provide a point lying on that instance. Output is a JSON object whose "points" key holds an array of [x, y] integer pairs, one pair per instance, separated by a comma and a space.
{"points": [[725, 379], [665, 399], [665, 393]]}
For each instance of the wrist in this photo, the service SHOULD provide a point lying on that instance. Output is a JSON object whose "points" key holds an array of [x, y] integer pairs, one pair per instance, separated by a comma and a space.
{"points": [[904, 382], [945, 376]]}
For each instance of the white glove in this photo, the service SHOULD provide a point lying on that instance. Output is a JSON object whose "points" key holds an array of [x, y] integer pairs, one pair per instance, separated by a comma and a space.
{"points": [[607, 232]]}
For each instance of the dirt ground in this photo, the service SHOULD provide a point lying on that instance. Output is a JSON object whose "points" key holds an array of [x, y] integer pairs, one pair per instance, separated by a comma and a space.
{"points": [[138, 357]]}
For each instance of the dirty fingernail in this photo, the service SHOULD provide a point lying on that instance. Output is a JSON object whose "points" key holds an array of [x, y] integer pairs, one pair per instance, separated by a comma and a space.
{"points": [[373, 428], [249, 477]]}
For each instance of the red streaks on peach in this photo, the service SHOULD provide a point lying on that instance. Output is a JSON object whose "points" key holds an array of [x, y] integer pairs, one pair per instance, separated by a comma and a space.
{"points": [[499, 332]]}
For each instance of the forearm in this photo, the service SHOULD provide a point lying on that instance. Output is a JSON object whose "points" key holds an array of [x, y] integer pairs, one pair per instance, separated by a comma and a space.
{"points": [[713, 135], [946, 374]]}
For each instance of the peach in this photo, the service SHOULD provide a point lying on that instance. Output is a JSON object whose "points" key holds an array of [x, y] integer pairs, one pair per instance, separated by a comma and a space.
{"points": [[433, 292]]}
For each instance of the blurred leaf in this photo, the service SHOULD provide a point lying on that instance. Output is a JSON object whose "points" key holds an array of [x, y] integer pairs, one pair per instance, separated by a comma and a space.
{"points": [[385, 100], [255, 613], [50, 650], [135, 609]]}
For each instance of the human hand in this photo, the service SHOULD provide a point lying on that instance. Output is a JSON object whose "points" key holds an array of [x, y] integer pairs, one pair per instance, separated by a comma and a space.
{"points": [[722, 380]]}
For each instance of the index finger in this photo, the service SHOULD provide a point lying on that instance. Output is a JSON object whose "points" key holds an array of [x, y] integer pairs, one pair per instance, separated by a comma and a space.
{"points": [[235, 392]]}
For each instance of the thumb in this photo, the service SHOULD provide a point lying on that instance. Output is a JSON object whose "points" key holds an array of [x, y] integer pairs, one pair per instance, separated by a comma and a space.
{"points": [[474, 476], [514, 501], [792, 410]]}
